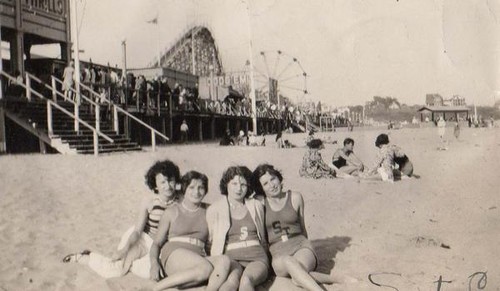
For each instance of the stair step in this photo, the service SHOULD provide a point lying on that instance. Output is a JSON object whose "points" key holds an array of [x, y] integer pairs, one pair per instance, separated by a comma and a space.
{"points": [[91, 142], [105, 151], [105, 146]]}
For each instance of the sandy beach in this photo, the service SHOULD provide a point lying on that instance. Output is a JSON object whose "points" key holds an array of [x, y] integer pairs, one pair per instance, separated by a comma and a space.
{"points": [[405, 235]]}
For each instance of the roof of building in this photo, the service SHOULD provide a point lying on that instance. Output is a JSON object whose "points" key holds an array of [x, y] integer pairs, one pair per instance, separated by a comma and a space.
{"points": [[444, 108]]}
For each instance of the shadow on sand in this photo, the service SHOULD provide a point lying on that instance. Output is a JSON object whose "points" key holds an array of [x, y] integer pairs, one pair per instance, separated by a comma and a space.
{"points": [[327, 249]]}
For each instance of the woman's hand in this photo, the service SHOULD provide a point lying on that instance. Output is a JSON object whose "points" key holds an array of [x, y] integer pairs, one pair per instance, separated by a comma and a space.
{"points": [[154, 272], [119, 255]]}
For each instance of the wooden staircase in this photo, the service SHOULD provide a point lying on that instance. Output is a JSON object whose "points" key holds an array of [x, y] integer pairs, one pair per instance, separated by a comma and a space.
{"points": [[32, 116]]}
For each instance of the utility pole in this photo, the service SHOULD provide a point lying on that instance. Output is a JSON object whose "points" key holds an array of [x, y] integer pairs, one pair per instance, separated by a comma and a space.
{"points": [[252, 83], [76, 50]]}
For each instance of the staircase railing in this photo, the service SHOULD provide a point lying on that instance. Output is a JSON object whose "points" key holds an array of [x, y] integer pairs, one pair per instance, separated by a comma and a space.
{"points": [[30, 91], [117, 109], [76, 111]]}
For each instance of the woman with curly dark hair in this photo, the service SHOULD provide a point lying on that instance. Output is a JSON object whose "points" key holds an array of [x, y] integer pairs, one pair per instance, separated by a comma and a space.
{"points": [[236, 229], [132, 253]]}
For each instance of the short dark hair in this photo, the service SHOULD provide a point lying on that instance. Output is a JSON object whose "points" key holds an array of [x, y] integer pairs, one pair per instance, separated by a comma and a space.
{"points": [[348, 141], [381, 140], [232, 172], [193, 175], [167, 168], [315, 143], [260, 171]]}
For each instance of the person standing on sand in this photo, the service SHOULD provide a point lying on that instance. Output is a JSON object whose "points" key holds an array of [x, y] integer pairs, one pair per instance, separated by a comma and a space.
{"points": [[441, 124], [456, 130], [346, 161], [184, 131], [133, 250]]}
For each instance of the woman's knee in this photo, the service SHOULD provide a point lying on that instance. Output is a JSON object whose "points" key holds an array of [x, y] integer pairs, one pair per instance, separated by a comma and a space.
{"points": [[203, 271]]}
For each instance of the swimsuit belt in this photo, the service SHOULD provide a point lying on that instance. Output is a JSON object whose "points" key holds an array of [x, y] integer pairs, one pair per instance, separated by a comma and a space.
{"points": [[189, 240], [243, 244]]}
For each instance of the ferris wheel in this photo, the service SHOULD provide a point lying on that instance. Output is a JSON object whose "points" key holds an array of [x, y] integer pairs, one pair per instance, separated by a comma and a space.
{"points": [[279, 75]]}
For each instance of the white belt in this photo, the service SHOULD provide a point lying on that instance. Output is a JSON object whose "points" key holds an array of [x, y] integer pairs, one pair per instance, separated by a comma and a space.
{"points": [[242, 244], [189, 240]]}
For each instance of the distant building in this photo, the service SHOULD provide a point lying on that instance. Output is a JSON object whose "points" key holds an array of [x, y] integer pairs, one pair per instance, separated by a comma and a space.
{"points": [[456, 100], [394, 106], [434, 100]]}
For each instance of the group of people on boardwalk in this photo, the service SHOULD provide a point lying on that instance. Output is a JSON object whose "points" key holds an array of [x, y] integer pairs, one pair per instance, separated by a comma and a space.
{"points": [[391, 162], [233, 244]]}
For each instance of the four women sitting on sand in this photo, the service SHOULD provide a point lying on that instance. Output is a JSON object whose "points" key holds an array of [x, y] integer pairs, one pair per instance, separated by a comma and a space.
{"points": [[234, 231]]}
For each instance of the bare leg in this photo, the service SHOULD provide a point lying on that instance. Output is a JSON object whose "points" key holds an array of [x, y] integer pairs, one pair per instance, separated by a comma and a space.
{"points": [[221, 266], [185, 269], [233, 279], [254, 274]]}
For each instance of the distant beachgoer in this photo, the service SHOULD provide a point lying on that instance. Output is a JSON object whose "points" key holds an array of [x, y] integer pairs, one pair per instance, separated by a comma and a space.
{"points": [[456, 130], [133, 250], [313, 165], [226, 139], [279, 140], [388, 157], [68, 80], [345, 159], [184, 131], [310, 136], [242, 139], [441, 124]]}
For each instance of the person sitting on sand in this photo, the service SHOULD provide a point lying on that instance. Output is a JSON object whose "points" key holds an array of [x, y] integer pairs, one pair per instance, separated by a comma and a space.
{"points": [[313, 165], [227, 139], [184, 229], [346, 161], [237, 229], [292, 253], [133, 250], [388, 157]]}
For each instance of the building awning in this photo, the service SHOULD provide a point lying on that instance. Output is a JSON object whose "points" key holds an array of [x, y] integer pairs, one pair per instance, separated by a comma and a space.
{"points": [[444, 109]]}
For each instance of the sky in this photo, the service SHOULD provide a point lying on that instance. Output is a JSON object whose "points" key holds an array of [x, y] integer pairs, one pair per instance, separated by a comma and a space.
{"points": [[351, 50]]}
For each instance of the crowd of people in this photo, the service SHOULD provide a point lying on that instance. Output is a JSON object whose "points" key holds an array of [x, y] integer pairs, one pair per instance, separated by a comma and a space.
{"points": [[151, 94], [255, 229]]}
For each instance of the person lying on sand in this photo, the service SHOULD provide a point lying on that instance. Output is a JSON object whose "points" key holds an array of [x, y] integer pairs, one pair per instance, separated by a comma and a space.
{"points": [[388, 157], [133, 250], [345, 159]]}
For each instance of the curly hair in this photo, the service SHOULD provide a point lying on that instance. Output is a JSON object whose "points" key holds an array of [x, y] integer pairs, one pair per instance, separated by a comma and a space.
{"points": [[232, 172], [260, 171], [315, 143], [167, 168], [193, 175], [381, 140]]}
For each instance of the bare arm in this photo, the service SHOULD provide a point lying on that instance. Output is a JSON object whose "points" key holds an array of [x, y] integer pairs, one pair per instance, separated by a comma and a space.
{"points": [[139, 227], [298, 205], [353, 159], [159, 241]]}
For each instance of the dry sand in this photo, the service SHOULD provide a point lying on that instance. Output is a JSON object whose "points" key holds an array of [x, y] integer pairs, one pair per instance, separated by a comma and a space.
{"points": [[52, 205]]}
